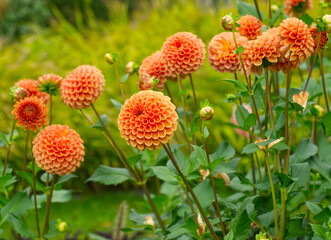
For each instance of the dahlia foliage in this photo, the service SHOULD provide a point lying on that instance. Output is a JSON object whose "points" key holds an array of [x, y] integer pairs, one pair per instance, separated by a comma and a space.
{"points": [[273, 182]]}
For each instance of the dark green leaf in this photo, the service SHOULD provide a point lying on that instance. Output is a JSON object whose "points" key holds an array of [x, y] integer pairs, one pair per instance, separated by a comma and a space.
{"points": [[6, 181], [276, 15], [250, 121], [164, 174], [280, 122], [175, 234], [117, 104], [110, 176], [319, 230], [284, 179], [134, 159], [224, 150], [204, 193], [248, 9], [28, 177], [306, 19], [305, 150], [239, 50], [300, 173], [281, 146], [21, 227], [65, 178], [240, 86], [243, 179], [326, 123], [104, 120], [313, 207], [294, 227], [18, 205], [199, 154], [250, 148]]}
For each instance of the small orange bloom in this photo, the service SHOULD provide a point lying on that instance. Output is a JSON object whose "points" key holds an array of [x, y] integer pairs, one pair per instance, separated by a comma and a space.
{"points": [[301, 99], [147, 120], [154, 66], [31, 86], [58, 149], [183, 53], [297, 43], [221, 52], [82, 87], [250, 27], [323, 39], [294, 8], [30, 112]]}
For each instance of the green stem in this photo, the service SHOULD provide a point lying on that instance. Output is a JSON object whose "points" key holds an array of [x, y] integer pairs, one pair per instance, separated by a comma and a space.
{"points": [[323, 81], [273, 196], [48, 205], [8, 150], [50, 109], [283, 212], [25, 155], [257, 9], [119, 80], [173, 160], [288, 84]]}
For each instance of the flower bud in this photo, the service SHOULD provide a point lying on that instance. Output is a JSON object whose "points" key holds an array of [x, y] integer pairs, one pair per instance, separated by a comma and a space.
{"points": [[327, 20], [110, 58], [207, 113], [317, 111], [49, 83], [20, 93], [149, 221], [231, 97], [274, 8], [130, 67], [227, 22], [223, 176], [201, 227], [145, 82], [62, 226], [301, 99]]}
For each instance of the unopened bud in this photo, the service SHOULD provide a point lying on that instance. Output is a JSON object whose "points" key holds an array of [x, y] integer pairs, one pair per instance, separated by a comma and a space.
{"points": [[327, 20], [110, 58], [130, 67], [207, 113], [49, 83], [317, 111], [223, 176], [301, 98], [231, 97], [149, 221], [145, 82], [227, 22], [20, 93], [62, 226], [274, 8]]}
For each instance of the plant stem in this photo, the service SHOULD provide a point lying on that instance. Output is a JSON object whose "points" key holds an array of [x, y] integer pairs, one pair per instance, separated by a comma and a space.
{"points": [[173, 160], [34, 187], [50, 109], [48, 205], [273, 195], [168, 91], [119, 80], [25, 154], [190, 204], [288, 83], [8, 150], [283, 212], [323, 81], [194, 96], [257, 9]]}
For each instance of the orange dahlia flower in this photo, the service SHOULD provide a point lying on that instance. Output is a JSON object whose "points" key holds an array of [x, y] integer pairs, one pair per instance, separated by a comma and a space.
{"points": [[323, 39], [283, 65], [154, 66], [294, 8], [30, 112], [250, 27], [265, 48], [32, 88], [49, 83], [82, 87], [221, 54], [297, 44], [58, 149], [183, 53], [147, 120]]}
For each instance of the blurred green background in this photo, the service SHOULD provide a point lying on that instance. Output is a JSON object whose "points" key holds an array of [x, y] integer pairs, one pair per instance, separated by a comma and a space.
{"points": [[55, 36]]}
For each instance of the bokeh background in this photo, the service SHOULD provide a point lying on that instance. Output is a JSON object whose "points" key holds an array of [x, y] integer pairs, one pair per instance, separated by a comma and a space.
{"points": [[55, 36]]}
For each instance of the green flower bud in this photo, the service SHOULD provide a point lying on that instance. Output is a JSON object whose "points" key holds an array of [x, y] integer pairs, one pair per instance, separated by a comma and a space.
{"points": [[327, 20], [207, 113], [227, 22], [317, 111]]}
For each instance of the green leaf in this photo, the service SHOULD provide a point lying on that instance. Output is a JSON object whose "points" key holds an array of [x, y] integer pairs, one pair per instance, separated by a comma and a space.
{"points": [[182, 162], [319, 230], [117, 104], [276, 15], [243, 179], [294, 227], [134, 159], [300, 173], [6, 181], [205, 132], [21, 227], [175, 234], [284, 179], [250, 148], [240, 86], [164, 174], [240, 225], [239, 50], [313, 207], [18, 205], [125, 77], [28, 177], [110, 176], [194, 126], [223, 167], [305, 150], [248, 9], [265, 183], [199, 154], [224, 150], [250, 121], [280, 122], [324, 169], [229, 236], [326, 124], [267, 219], [204, 193], [214, 163], [280, 146], [65, 178], [104, 120], [306, 19]]}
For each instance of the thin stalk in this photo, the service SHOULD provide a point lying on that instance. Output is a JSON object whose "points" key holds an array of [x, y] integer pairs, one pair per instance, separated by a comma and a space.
{"points": [[119, 80], [312, 66], [288, 83], [313, 130], [191, 205], [34, 189], [8, 150], [269, 14], [258, 166], [50, 110], [273, 196], [194, 96], [323, 81], [173, 160], [168, 91], [48, 205], [25, 155], [283, 212], [257, 9]]}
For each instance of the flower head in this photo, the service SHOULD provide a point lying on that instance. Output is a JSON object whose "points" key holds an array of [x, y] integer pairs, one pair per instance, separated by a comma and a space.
{"points": [[58, 149], [221, 52], [294, 8], [327, 20], [147, 120], [145, 82], [301, 98], [227, 22], [154, 66], [30, 112], [297, 43], [49, 83], [207, 113], [250, 27], [31, 86], [183, 53], [19, 93], [322, 39], [82, 87]]}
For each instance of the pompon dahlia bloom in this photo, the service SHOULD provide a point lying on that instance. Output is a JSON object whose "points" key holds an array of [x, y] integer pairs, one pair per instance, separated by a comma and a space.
{"points": [[30, 112], [294, 8], [32, 88], [147, 120], [82, 87], [323, 39], [183, 53], [58, 149], [265, 48], [49, 83], [250, 27], [297, 44], [154, 66], [221, 54]]}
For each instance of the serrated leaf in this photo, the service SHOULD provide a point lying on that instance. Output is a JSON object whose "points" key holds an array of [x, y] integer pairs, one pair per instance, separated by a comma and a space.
{"points": [[224, 150], [18, 205], [326, 124], [250, 148], [305, 150], [29, 178], [248, 9], [164, 174], [134, 159], [117, 104], [319, 230], [21, 227], [300, 172], [240, 86], [199, 155], [284, 179], [110, 176], [204, 193], [313, 207], [65, 178]]}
